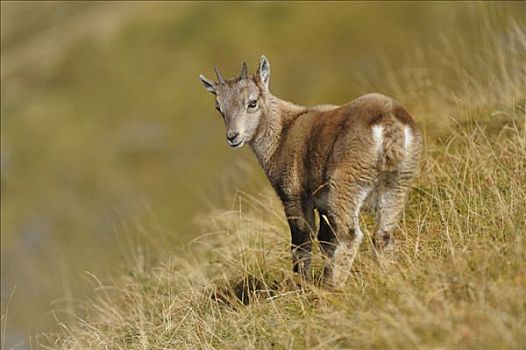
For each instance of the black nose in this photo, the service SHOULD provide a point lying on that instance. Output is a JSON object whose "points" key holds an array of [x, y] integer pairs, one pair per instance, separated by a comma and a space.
{"points": [[231, 136]]}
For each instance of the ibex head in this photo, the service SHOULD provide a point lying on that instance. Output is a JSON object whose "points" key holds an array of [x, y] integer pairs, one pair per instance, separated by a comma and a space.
{"points": [[242, 101]]}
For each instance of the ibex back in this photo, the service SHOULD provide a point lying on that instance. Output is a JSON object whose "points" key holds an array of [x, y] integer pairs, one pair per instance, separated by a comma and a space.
{"points": [[330, 158]]}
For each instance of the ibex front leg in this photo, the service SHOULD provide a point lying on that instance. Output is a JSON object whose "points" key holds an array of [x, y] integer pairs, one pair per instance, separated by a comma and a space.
{"points": [[300, 217]]}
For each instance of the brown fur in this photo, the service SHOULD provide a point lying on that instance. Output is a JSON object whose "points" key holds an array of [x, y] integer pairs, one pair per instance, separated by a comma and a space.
{"points": [[333, 159]]}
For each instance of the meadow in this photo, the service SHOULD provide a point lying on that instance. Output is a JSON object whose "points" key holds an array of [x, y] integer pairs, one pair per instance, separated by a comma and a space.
{"points": [[127, 223]]}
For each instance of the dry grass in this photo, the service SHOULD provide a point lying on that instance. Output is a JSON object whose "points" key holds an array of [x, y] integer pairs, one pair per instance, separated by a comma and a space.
{"points": [[459, 280]]}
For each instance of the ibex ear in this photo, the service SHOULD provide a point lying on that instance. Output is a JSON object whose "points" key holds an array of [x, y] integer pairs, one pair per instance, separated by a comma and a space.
{"points": [[209, 85], [263, 72]]}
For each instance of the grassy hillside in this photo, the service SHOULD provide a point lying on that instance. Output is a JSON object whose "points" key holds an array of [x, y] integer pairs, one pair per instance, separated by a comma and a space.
{"points": [[110, 148], [459, 279]]}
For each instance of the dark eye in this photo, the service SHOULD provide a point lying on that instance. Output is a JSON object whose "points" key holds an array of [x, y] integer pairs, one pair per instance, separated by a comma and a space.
{"points": [[252, 103]]}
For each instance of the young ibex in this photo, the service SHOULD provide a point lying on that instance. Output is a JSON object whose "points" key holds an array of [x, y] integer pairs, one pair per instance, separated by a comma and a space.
{"points": [[330, 158]]}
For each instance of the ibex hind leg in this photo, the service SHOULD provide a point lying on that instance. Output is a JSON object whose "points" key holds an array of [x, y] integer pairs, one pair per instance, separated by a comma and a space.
{"points": [[390, 202], [393, 188], [343, 222]]}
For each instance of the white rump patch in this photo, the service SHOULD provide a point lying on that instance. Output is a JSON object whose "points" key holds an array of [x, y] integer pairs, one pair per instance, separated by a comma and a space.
{"points": [[378, 136], [408, 138]]}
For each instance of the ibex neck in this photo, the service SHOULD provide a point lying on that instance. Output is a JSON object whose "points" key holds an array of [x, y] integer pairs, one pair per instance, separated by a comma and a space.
{"points": [[270, 131]]}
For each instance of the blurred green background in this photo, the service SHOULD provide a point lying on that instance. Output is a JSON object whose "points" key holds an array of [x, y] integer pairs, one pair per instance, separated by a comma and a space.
{"points": [[109, 141]]}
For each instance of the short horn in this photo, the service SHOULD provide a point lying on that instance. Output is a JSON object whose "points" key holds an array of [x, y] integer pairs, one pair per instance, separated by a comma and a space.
{"points": [[244, 71], [219, 76]]}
